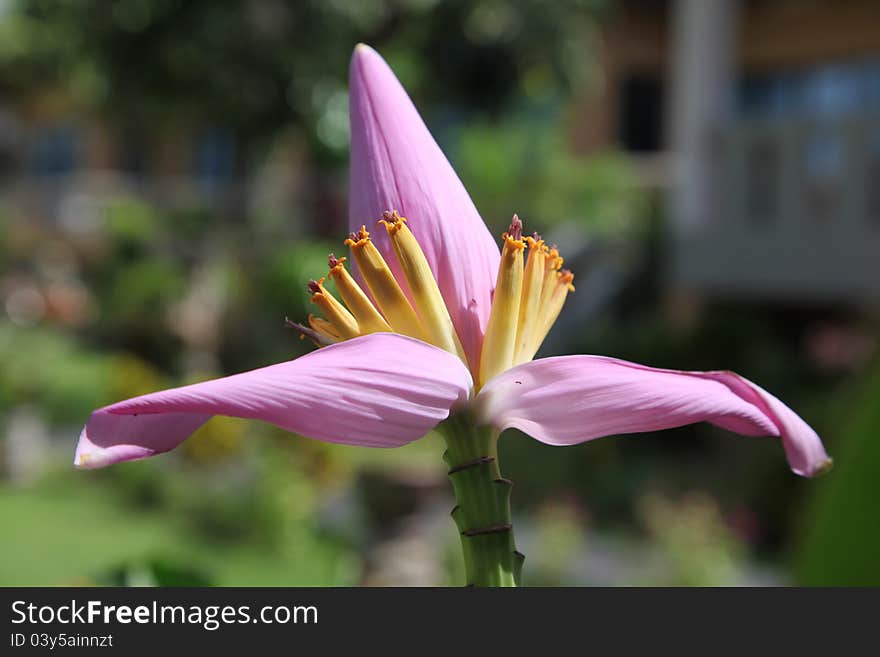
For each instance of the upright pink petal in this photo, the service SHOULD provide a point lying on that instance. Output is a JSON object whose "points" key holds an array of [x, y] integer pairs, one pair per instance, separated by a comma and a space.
{"points": [[381, 390], [397, 165], [572, 399]]}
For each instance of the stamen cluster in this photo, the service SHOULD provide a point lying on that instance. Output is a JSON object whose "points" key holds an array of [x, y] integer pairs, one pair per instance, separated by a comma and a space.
{"points": [[529, 296]]}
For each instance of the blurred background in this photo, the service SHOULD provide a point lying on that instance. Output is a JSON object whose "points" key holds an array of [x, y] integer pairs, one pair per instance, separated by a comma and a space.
{"points": [[172, 173]]}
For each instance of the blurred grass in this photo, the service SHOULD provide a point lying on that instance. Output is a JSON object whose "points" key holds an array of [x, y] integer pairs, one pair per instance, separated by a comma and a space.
{"points": [[83, 532]]}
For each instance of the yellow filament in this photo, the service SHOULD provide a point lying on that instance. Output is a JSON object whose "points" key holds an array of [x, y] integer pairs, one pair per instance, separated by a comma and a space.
{"points": [[342, 321], [529, 307], [384, 288], [429, 302], [368, 318], [500, 339], [560, 285], [552, 264]]}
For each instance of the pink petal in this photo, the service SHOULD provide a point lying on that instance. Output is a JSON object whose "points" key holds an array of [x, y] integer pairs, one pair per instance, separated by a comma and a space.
{"points": [[381, 390], [572, 399], [397, 165]]}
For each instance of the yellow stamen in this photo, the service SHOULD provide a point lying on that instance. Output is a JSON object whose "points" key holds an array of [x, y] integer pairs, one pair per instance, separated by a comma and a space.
{"points": [[500, 340], [368, 318], [422, 284], [533, 283], [343, 322], [384, 288], [561, 285], [552, 264]]}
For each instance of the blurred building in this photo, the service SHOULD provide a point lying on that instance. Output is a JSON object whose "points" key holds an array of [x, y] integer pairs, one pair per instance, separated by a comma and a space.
{"points": [[59, 166], [760, 119]]}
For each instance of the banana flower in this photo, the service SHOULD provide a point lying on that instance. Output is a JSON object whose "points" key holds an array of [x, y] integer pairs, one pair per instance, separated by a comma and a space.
{"points": [[435, 325]]}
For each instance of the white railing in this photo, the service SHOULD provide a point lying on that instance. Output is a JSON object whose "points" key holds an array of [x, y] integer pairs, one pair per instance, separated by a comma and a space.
{"points": [[798, 212]]}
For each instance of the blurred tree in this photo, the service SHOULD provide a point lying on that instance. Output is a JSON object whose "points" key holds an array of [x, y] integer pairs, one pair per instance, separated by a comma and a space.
{"points": [[252, 68]]}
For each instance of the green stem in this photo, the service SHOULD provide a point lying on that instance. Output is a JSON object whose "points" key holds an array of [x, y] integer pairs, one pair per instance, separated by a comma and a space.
{"points": [[482, 513]]}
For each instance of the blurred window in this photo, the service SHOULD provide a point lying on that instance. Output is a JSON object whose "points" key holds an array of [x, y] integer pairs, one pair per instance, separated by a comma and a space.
{"points": [[54, 150], [763, 171], [215, 159], [824, 104], [640, 124], [830, 90], [872, 173], [822, 168], [133, 158]]}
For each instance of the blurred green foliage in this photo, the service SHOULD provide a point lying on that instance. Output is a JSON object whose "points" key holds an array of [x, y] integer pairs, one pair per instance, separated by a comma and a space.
{"points": [[256, 67], [80, 532], [841, 542], [49, 370], [523, 166]]}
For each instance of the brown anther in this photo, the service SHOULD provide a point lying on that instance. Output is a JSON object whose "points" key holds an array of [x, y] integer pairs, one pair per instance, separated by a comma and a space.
{"points": [[537, 236], [392, 221], [515, 230], [332, 261], [354, 238], [566, 278], [314, 287]]}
